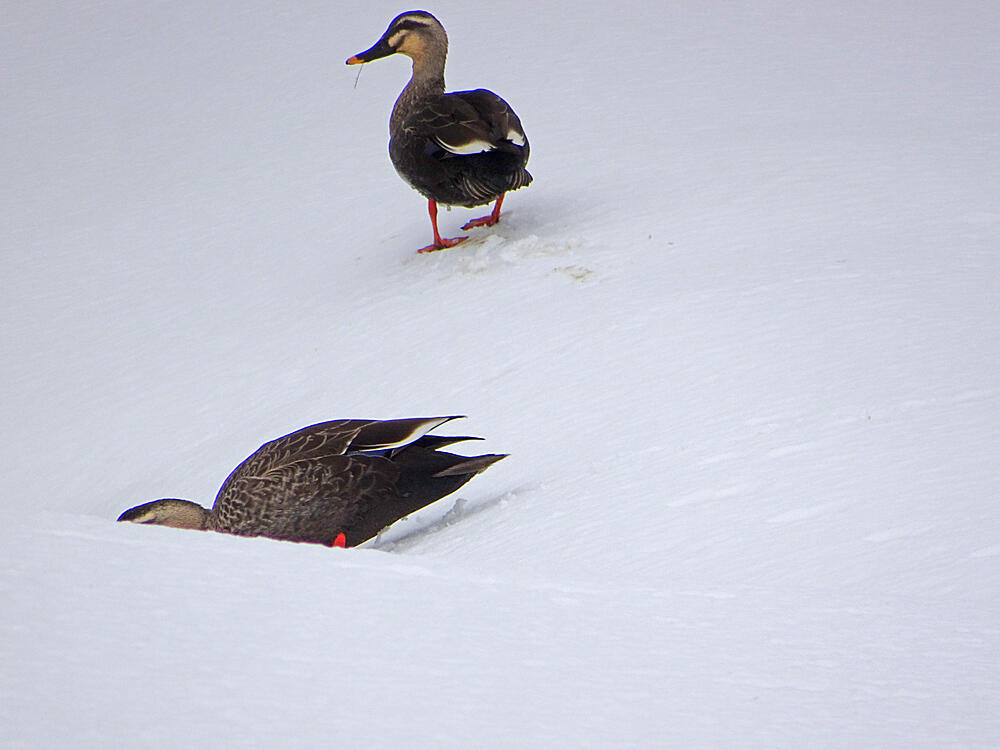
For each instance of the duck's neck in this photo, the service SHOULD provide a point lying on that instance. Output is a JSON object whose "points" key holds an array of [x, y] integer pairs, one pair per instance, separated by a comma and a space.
{"points": [[427, 80]]}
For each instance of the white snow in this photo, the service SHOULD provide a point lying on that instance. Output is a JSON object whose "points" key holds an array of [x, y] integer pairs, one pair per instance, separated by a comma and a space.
{"points": [[741, 338]]}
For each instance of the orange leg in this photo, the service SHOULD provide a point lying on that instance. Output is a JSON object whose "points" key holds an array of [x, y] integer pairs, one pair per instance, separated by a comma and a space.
{"points": [[439, 244], [487, 221]]}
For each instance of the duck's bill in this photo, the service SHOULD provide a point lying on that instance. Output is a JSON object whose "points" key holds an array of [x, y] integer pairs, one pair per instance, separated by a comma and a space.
{"points": [[380, 49]]}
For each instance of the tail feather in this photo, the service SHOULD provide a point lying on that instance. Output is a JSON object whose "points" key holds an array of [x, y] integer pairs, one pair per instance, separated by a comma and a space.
{"points": [[440, 441], [472, 465]]}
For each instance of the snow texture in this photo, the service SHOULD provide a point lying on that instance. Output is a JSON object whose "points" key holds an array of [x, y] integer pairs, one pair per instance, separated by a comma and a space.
{"points": [[741, 338]]}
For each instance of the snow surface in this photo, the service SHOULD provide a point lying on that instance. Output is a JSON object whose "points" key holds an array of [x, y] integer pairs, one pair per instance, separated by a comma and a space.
{"points": [[740, 337]]}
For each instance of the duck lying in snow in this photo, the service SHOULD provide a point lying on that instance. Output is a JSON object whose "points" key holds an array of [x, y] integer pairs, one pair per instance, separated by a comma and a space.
{"points": [[335, 483]]}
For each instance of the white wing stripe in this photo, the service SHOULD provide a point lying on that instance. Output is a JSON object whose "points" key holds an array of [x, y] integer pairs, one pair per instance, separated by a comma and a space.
{"points": [[516, 137], [472, 147]]}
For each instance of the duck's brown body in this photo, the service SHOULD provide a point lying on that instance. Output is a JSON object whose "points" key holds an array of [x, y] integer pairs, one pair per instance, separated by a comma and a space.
{"points": [[333, 483], [465, 148], [467, 180]]}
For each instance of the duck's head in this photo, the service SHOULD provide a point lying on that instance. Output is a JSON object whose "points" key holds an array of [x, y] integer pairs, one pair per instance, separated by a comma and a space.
{"points": [[416, 34], [181, 514]]}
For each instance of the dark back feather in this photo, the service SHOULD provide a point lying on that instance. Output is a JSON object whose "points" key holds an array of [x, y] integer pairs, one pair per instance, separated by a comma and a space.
{"points": [[427, 150]]}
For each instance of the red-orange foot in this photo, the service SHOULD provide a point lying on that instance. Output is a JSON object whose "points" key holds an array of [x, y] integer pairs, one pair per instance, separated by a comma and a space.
{"points": [[341, 540], [442, 244], [482, 221], [487, 221]]}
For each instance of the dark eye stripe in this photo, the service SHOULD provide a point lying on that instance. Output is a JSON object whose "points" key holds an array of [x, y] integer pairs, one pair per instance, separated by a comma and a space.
{"points": [[409, 25]]}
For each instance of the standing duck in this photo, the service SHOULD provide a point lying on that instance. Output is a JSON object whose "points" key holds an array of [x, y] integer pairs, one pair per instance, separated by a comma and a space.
{"points": [[466, 148], [335, 483]]}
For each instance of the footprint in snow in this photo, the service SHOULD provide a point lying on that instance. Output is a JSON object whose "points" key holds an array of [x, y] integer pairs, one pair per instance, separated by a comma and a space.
{"points": [[477, 257]]}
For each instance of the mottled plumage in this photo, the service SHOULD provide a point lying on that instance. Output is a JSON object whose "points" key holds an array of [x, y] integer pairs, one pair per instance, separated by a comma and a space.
{"points": [[465, 148], [333, 483]]}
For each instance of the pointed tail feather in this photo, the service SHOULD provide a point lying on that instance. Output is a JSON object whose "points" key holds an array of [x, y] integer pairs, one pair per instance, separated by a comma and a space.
{"points": [[434, 442], [472, 465]]}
